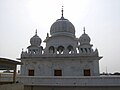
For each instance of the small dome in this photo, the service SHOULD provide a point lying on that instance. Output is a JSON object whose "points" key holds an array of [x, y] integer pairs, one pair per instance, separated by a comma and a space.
{"points": [[84, 38], [62, 26], [35, 40]]}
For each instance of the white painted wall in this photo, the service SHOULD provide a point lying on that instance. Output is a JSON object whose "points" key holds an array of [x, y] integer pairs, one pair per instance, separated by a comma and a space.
{"points": [[69, 66]]}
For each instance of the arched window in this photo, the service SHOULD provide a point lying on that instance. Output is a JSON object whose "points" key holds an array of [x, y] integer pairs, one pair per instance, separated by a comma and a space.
{"points": [[81, 49], [86, 50], [51, 49], [60, 49], [70, 49]]}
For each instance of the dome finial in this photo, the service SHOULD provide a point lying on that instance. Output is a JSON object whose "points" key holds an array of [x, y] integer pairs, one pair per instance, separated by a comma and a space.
{"points": [[84, 29], [62, 11], [36, 32]]}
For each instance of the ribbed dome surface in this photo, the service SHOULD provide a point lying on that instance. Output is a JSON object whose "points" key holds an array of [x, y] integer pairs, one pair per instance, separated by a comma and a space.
{"points": [[35, 40], [62, 26], [84, 39]]}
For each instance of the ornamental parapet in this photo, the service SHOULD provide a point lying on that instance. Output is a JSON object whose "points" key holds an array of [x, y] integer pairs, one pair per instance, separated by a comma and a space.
{"points": [[44, 54]]}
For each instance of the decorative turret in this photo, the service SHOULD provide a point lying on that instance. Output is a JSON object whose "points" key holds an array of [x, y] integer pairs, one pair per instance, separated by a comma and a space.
{"points": [[34, 48], [85, 48], [35, 40], [84, 38]]}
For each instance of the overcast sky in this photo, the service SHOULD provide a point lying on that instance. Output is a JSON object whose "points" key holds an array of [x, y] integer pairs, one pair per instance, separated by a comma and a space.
{"points": [[20, 18]]}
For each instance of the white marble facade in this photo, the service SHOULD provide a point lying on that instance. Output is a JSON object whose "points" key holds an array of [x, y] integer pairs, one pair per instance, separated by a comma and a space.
{"points": [[63, 52]]}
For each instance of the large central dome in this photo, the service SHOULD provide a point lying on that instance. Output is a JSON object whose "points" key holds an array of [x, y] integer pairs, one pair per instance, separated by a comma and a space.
{"points": [[62, 26]]}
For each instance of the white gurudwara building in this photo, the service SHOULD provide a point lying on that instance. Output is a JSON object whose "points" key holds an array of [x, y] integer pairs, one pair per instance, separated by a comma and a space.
{"points": [[64, 54], [65, 61]]}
